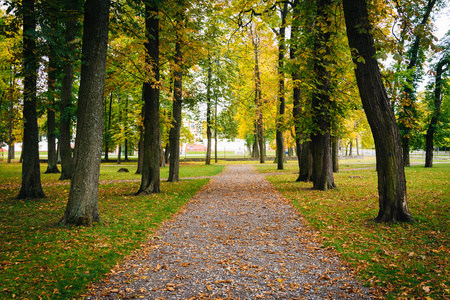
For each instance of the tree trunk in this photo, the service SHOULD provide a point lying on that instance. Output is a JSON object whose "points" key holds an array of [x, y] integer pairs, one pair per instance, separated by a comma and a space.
{"points": [[215, 132], [357, 147], [108, 129], [322, 175], [126, 150], [66, 95], [306, 163], [166, 153], [409, 114], [436, 112], [52, 166], [11, 152], [82, 207], [119, 155], [350, 152], [174, 134], [152, 139], [335, 153], [140, 151], [162, 159], [391, 176], [281, 101], [297, 93], [208, 114], [31, 176], [258, 97]]}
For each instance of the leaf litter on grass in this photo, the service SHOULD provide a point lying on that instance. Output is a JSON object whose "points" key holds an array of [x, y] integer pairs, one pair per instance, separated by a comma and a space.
{"points": [[237, 238]]}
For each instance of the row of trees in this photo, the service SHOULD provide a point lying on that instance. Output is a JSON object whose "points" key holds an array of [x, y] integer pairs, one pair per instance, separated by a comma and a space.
{"points": [[256, 79]]}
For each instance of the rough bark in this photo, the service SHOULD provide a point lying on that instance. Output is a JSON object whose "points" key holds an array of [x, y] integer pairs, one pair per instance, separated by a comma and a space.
{"points": [[306, 163], [150, 181], [82, 206], [391, 176], [436, 112], [322, 175], [31, 176], [52, 166], [66, 94], [175, 131]]}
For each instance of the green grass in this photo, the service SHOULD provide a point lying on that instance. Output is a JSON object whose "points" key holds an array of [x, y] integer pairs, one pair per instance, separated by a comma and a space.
{"points": [[405, 260], [41, 260]]}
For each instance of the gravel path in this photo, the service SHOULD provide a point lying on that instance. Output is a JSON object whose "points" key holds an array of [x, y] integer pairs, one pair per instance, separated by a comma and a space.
{"points": [[237, 238]]}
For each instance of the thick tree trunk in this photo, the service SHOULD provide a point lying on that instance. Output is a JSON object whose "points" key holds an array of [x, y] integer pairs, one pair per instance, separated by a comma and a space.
{"points": [[208, 114], [52, 166], [436, 112], [31, 176], [322, 175], [306, 163], [66, 96], [391, 176], [174, 134], [150, 181], [82, 207]]}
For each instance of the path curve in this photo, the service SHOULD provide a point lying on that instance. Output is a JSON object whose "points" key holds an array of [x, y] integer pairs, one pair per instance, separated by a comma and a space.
{"points": [[238, 238]]}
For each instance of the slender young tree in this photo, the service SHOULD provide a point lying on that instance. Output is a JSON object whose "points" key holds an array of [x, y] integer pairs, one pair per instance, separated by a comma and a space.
{"points": [[208, 112], [52, 166], [31, 176], [281, 107], [393, 205], [152, 133], [408, 112], [82, 206], [442, 66]]}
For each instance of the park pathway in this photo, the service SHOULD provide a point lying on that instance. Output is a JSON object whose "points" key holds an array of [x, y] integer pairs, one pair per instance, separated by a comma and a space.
{"points": [[238, 238]]}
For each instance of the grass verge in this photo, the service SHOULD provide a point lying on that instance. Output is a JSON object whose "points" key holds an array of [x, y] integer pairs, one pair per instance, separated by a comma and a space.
{"points": [[408, 261], [41, 260]]}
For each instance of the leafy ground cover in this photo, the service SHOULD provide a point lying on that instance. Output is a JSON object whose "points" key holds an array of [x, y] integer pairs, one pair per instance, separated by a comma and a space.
{"points": [[41, 260], [409, 261]]}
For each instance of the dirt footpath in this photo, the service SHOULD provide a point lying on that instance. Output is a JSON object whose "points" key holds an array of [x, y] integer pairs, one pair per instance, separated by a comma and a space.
{"points": [[238, 238]]}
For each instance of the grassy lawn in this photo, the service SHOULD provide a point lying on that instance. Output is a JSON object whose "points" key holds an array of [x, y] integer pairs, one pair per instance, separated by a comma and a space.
{"points": [[41, 260], [409, 261]]}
